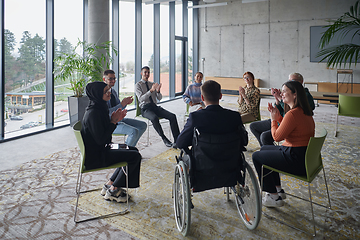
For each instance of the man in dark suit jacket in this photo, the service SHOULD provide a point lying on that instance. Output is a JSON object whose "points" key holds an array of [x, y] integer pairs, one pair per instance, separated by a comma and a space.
{"points": [[213, 119], [214, 165]]}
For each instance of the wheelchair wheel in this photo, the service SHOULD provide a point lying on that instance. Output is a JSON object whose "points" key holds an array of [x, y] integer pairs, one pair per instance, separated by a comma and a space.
{"points": [[248, 198], [182, 204]]}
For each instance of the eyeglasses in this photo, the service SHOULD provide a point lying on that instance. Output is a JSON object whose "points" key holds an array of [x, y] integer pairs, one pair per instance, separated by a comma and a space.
{"points": [[246, 78], [111, 79]]}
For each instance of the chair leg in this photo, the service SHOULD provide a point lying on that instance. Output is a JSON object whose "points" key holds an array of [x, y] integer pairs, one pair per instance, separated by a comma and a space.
{"points": [[312, 210], [327, 189], [280, 221], [336, 123], [107, 215], [77, 182], [78, 187], [127, 188], [227, 192], [148, 128]]}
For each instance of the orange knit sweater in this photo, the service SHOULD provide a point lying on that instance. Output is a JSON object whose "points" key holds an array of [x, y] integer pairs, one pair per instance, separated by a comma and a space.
{"points": [[296, 128]]}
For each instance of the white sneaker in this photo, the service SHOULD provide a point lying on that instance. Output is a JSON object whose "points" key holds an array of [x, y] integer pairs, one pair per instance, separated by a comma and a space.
{"points": [[118, 195], [268, 201], [282, 194], [104, 189]]}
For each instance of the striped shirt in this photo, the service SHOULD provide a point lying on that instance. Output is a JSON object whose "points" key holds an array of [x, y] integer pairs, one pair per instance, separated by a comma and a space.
{"points": [[192, 93]]}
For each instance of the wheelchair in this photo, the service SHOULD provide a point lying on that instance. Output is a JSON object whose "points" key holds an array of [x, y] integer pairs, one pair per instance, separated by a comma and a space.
{"points": [[222, 164]]}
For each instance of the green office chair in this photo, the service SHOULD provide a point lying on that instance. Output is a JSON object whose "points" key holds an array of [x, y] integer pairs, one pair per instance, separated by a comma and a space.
{"points": [[348, 106], [138, 114], [314, 165], [77, 129], [187, 113]]}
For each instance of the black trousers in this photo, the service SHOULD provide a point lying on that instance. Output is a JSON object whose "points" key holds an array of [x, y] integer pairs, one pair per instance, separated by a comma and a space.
{"points": [[153, 112], [287, 159], [262, 132], [133, 158]]}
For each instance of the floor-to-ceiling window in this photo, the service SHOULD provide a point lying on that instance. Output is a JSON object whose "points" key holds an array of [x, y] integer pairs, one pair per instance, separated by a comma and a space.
{"points": [[65, 40], [164, 48], [179, 48], [25, 56], [24, 66], [148, 37], [190, 43], [127, 49]]}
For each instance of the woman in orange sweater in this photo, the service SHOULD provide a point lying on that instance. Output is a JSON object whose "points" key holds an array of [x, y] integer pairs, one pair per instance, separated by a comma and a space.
{"points": [[295, 128]]}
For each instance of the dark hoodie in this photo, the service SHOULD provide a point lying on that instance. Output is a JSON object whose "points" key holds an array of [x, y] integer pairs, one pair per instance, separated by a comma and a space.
{"points": [[96, 127]]}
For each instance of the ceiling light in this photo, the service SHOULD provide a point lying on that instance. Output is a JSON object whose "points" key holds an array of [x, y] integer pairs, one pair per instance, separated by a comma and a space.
{"points": [[159, 1], [250, 1], [209, 5]]}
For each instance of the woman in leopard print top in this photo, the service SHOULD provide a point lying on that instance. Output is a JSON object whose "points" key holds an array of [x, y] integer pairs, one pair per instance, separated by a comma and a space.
{"points": [[249, 98]]}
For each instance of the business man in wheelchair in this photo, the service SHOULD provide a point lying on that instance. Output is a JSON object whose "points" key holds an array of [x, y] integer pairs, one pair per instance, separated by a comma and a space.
{"points": [[217, 138]]}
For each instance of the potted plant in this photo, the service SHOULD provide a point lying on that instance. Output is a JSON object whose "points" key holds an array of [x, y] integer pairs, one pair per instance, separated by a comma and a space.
{"points": [[80, 69], [344, 53]]}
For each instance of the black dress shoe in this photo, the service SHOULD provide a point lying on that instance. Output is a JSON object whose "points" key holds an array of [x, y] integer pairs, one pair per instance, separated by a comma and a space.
{"points": [[167, 142]]}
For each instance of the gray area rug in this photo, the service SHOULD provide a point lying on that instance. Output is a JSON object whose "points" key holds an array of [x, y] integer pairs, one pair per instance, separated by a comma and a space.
{"points": [[36, 199]]}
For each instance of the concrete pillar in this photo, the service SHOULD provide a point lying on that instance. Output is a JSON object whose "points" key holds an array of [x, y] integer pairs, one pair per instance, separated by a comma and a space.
{"points": [[99, 26]]}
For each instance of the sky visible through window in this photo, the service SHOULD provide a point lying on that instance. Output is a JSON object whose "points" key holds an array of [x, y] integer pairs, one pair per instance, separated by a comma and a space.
{"points": [[25, 15]]}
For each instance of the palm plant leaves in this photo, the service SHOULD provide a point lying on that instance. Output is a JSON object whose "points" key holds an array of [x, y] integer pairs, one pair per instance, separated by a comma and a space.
{"points": [[345, 53], [80, 69]]}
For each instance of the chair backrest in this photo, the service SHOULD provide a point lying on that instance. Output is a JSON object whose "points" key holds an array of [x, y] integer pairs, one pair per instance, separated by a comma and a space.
{"points": [[259, 115], [349, 105], [77, 128], [138, 110], [313, 161]]}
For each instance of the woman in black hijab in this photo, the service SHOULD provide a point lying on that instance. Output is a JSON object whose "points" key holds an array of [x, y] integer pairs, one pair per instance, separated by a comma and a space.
{"points": [[96, 131]]}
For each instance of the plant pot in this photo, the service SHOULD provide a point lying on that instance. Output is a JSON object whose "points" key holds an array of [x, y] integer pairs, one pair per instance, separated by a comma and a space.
{"points": [[77, 106]]}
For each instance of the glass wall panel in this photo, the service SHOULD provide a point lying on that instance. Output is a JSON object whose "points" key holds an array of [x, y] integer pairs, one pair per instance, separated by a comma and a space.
{"points": [[178, 19], [127, 50], [178, 65], [164, 49], [24, 66], [148, 37], [190, 43], [67, 32]]}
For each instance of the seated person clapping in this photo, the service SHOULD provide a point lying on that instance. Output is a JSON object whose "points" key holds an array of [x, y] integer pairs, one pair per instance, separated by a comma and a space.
{"points": [[97, 129], [192, 94], [249, 97], [262, 129], [296, 128]]}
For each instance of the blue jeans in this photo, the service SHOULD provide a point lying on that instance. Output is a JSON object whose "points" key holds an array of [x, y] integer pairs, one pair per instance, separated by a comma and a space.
{"points": [[133, 128]]}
